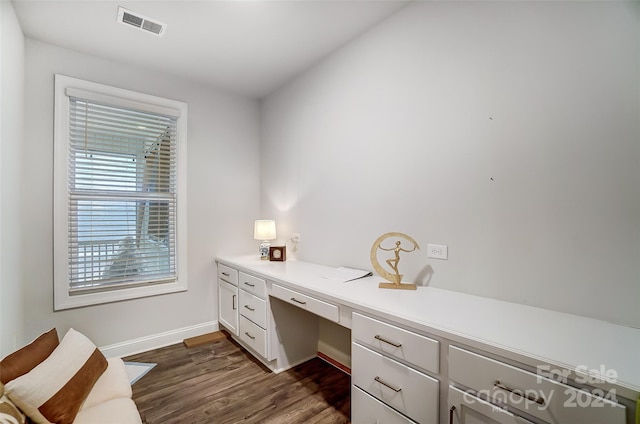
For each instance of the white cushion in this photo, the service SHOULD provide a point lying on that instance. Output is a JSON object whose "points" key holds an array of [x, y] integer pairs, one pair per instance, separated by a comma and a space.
{"points": [[120, 410], [55, 389], [112, 384]]}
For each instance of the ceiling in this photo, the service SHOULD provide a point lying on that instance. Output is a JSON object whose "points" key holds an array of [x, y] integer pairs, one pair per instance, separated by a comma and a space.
{"points": [[247, 47]]}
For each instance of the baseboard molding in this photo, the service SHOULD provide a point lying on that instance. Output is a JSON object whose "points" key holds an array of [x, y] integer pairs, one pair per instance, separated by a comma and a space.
{"points": [[335, 355], [334, 363], [154, 341], [293, 364]]}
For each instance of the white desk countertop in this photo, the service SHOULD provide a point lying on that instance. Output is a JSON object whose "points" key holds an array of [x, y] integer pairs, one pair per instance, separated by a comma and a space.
{"points": [[554, 338]]}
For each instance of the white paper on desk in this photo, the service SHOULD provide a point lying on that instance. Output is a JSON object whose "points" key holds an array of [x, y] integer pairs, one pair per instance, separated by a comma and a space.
{"points": [[346, 274]]}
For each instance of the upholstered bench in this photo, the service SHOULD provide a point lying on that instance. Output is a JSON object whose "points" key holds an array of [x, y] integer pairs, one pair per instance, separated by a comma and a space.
{"points": [[66, 382]]}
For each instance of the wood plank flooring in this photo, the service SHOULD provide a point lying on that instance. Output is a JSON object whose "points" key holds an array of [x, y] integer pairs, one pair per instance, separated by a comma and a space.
{"points": [[219, 382]]}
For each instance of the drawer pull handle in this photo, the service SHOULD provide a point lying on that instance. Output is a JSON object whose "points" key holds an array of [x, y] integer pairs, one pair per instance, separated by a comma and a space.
{"points": [[453, 408], [249, 284], [226, 274], [233, 302], [298, 301], [382, 339], [529, 397], [250, 336], [249, 308], [384, 383]]}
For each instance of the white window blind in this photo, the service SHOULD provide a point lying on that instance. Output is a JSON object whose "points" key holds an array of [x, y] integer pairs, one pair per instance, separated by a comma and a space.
{"points": [[121, 196]]}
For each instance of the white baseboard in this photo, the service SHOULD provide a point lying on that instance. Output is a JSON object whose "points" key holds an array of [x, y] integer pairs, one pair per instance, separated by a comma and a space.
{"points": [[293, 364], [335, 354], [154, 341]]}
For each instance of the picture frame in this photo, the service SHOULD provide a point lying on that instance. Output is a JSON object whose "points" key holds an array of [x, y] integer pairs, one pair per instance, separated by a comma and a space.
{"points": [[278, 253]]}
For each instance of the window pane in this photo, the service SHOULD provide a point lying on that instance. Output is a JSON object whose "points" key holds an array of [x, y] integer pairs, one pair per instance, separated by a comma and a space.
{"points": [[99, 220], [123, 240], [100, 171]]}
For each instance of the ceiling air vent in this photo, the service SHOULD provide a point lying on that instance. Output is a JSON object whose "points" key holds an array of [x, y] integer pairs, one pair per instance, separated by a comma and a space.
{"points": [[141, 22]]}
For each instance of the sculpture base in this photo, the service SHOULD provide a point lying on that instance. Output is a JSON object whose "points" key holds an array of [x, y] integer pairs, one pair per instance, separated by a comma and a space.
{"points": [[400, 286]]}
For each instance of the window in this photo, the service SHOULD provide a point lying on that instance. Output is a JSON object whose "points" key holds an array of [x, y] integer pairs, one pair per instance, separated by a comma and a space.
{"points": [[119, 194]]}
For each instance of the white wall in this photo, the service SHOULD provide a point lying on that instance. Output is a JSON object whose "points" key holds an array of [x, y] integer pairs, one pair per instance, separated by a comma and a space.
{"points": [[223, 196], [508, 131], [12, 56]]}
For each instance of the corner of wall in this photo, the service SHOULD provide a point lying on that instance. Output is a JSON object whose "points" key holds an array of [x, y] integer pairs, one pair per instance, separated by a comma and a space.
{"points": [[12, 58]]}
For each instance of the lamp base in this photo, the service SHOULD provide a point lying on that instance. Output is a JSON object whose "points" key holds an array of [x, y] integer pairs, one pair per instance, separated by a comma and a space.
{"points": [[264, 250]]}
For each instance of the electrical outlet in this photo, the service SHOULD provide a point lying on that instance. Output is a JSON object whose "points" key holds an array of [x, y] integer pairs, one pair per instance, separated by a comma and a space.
{"points": [[295, 237], [437, 251]]}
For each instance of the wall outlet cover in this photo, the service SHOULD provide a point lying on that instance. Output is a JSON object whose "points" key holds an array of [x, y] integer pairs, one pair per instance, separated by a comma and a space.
{"points": [[437, 251]]}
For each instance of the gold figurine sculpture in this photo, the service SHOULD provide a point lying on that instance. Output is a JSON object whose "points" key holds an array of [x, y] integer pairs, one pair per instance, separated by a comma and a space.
{"points": [[395, 278]]}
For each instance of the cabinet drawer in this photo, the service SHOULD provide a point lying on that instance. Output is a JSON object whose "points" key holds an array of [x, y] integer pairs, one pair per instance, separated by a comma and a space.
{"points": [[407, 390], [228, 274], [253, 285], [254, 308], [311, 304], [539, 396], [254, 336], [469, 409], [365, 409], [397, 342]]}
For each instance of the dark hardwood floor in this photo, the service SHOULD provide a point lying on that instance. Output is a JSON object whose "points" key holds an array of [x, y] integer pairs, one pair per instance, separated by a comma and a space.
{"points": [[219, 382]]}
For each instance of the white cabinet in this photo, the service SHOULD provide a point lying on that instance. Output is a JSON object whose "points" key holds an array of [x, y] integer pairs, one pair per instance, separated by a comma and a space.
{"points": [[253, 313], [532, 394], [228, 298], [244, 309], [415, 363], [400, 387]]}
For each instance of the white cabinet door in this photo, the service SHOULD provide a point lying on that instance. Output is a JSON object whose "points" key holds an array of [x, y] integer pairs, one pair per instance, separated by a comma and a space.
{"points": [[228, 306], [465, 408]]}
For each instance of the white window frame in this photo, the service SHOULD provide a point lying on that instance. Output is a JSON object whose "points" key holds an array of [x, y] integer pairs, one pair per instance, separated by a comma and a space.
{"points": [[64, 85]]}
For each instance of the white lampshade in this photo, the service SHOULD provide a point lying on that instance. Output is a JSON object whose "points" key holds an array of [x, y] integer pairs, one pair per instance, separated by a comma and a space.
{"points": [[264, 229]]}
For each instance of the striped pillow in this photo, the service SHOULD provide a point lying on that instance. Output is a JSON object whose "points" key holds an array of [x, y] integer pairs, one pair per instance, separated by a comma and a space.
{"points": [[24, 360], [53, 391]]}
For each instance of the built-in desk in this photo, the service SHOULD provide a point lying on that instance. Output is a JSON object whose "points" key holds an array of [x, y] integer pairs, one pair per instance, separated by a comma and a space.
{"points": [[580, 370]]}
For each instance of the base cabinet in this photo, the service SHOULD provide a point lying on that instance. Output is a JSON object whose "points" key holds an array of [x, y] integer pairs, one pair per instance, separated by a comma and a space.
{"points": [[405, 372], [387, 364], [253, 313], [401, 387]]}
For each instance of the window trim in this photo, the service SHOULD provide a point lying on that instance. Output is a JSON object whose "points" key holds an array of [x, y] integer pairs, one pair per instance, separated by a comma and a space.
{"points": [[64, 85]]}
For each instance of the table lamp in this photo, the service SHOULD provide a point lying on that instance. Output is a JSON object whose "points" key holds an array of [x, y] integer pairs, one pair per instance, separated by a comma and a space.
{"points": [[264, 230]]}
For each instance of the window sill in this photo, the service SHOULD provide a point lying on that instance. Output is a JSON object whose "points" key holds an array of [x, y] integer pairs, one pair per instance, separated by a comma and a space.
{"points": [[64, 300]]}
